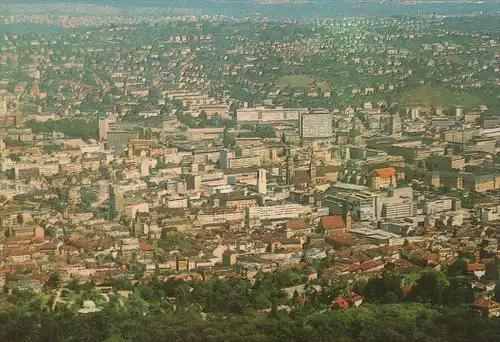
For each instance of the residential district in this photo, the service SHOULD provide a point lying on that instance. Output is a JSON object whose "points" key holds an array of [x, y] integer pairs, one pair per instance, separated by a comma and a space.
{"points": [[203, 154]]}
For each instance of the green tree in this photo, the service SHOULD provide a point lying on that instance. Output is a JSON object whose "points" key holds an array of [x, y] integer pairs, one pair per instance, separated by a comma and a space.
{"points": [[16, 157], [54, 280], [147, 293], [228, 139], [430, 287], [386, 288], [265, 131]]}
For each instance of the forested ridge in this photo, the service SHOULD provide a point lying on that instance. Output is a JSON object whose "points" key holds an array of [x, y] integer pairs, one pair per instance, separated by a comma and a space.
{"points": [[387, 322], [235, 309]]}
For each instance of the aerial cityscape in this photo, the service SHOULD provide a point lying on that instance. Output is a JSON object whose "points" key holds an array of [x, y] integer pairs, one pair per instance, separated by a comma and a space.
{"points": [[268, 170]]}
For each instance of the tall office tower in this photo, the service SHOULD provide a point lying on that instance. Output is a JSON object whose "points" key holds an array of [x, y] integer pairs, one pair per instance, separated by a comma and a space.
{"points": [[117, 206], [358, 126], [316, 125], [103, 129], [415, 113], [193, 182], [290, 169], [395, 125], [3, 107], [224, 157], [345, 153], [261, 182]]}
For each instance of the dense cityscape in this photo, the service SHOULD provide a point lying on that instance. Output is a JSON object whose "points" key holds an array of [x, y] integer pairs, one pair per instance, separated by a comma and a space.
{"points": [[188, 176]]}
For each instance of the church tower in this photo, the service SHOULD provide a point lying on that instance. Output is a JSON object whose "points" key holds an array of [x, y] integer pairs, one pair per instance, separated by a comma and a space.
{"points": [[312, 168], [348, 220], [261, 182]]}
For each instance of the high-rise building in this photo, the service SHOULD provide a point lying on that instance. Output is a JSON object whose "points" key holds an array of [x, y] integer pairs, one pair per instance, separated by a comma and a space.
{"points": [[193, 182], [224, 157], [459, 111], [3, 106], [395, 208], [117, 205], [290, 169], [415, 113], [144, 167], [316, 125], [117, 140], [363, 205], [261, 182], [103, 129], [395, 125]]}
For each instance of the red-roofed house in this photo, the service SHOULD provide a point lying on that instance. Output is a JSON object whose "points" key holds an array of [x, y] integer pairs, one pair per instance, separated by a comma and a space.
{"points": [[330, 225], [478, 269], [340, 240], [295, 227], [372, 265], [407, 288], [487, 306], [339, 303], [145, 252], [383, 178], [295, 224], [354, 299], [145, 247]]}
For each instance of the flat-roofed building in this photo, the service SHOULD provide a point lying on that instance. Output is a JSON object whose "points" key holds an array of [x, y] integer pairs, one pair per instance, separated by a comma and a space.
{"points": [[243, 162], [239, 202], [118, 140], [268, 115], [363, 206], [278, 211], [446, 162], [395, 208], [480, 183], [316, 125], [437, 205]]}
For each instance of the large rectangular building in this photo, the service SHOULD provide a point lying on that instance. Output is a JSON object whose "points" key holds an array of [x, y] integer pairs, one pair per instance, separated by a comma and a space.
{"points": [[268, 115], [243, 162], [446, 162], [396, 208], [437, 205], [280, 211], [363, 206], [117, 140], [316, 125]]}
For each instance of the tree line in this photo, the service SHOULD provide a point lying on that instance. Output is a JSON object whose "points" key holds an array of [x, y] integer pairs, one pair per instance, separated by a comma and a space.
{"points": [[436, 307]]}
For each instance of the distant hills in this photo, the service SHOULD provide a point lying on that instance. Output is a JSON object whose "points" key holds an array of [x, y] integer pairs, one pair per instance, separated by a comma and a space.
{"points": [[287, 9]]}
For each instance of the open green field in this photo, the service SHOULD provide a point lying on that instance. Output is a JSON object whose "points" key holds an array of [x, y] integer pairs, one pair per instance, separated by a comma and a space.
{"points": [[296, 81], [438, 97], [494, 49], [454, 59]]}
